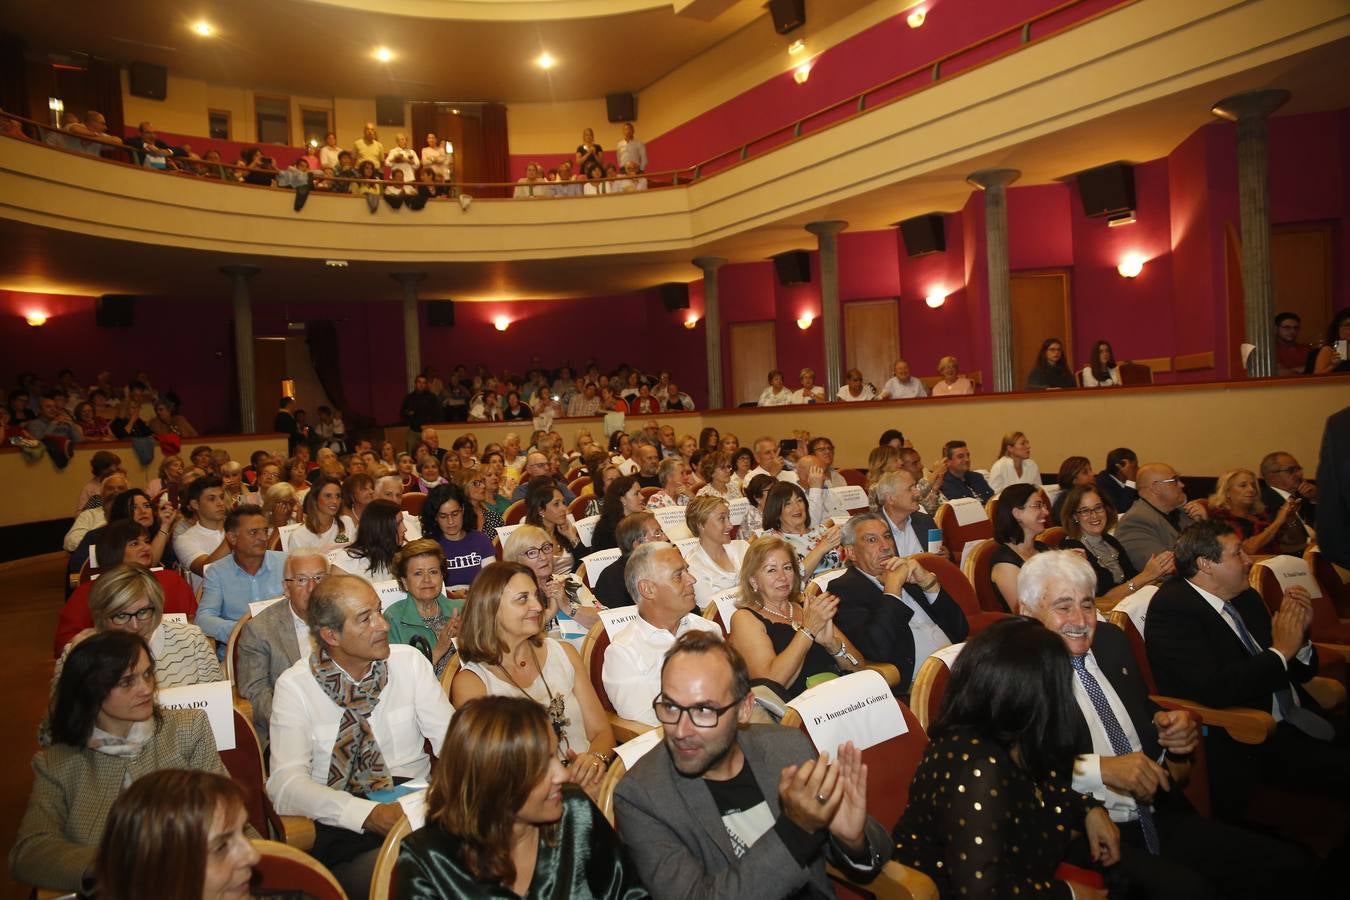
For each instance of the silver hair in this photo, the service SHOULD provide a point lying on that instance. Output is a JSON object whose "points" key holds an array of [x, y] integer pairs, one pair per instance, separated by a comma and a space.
{"points": [[887, 485], [300, 553], [848, 533], [641, 565], [668, 468], [1053, 567]]}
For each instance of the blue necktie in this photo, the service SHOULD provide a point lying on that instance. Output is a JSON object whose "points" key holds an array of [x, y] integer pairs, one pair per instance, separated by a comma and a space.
{"points": [[1120, 743], [1304, 720]]}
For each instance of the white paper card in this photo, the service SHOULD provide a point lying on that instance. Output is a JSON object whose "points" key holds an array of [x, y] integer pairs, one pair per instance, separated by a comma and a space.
{"points": [[841, 521], [174, 617], [390, 593], [949, 653], [598, 561], [632, 751], [726, 606], [851, 496], [617, 619], [93, 556], [739, 507], [1136, 606], [585, 528], [968, 511], [1290, 571], [686, 546], [415, 808], [672, 522], [213, 697], [285, 533], [613, 423], [505, 531], [257, 606], [968, 549], [858, 707], [823, 580]]}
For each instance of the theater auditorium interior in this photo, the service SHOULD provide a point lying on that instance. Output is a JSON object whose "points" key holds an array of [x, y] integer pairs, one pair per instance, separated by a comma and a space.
{"points": [[1020, 291]]}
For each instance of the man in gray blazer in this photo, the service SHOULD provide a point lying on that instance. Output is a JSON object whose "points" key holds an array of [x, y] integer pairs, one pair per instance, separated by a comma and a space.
{"points": [[731, 810], [1158, 516], [270, 643]]}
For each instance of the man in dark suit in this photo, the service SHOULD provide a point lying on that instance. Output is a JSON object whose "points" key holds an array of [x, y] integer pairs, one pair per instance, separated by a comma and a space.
{"points": [[1210, 639], [730, 810], [896, 608], [1134, 756], [1115, 481], [1333, 474], [1282, 482]]}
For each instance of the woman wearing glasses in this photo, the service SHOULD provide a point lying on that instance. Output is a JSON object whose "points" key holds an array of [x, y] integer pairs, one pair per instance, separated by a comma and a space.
{"points": [[448, 517], [505, 653], [1023, 512], [474, 483], [534, 549], [1089, 519]]}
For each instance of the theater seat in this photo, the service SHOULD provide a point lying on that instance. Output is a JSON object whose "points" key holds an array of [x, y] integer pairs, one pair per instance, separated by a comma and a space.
{"points": [[979, 568], [578, 484], [955, 536], [245, 765], [284, 869], [593, 656], [451, 669], [1052, 537], [515, 513], [382, 879], [412, 502], [1329, 634], [854, 477], [232, 665], [1333, 583], [577, 508], [954, 582]]}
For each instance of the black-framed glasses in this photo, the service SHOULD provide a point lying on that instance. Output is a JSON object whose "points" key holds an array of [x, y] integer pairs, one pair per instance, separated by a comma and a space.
{"points": [[702, 715], [140, 615], [534, 553]]}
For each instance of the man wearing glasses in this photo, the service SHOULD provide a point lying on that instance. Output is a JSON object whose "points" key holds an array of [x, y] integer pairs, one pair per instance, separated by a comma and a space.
{"points": [[250, 573], [735, 810], [1284, 483], [272, 641], [1161, 513]]}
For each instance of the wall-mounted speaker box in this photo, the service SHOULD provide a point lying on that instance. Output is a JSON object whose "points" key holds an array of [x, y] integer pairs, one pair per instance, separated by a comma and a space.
{"points": [[441, 313], [115, 311], [924, 234], [674, 295], [787, 14], [1107, 190], [793, 267], [621, 107], [388, 110], [148, 80]]}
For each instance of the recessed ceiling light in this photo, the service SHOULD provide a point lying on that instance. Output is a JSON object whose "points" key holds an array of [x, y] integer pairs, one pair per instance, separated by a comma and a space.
{"points": [[454, 112], [545, 61], [335, 263], [203, 28], [384, 54], [796, 46]]}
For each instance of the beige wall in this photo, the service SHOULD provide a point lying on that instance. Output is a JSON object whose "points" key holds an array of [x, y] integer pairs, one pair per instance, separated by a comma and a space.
{"points": [[45, 492]]}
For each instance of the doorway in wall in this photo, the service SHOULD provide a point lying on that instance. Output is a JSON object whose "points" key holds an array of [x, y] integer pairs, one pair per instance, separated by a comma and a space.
{"points": [[753, 354], [1040, 310]]}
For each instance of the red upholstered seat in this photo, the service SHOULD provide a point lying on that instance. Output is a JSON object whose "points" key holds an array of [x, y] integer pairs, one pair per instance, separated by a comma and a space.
{"points": [[286, 869], [412, 502], [954, 536], [955, 582]]}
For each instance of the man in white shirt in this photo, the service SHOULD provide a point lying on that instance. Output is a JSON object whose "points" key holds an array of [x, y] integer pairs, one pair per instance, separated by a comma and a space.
{"points": [[631, 149], [89, 519], [770, 462], [349, 721], [901, 386], [814, 476], [390, 487], [661, 585], [897, 496], [204, 542]]}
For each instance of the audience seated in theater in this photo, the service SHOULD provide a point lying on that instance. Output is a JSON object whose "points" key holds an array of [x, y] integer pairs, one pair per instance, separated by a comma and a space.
{"points": [[896, 609], [757, 494], [855, 390], [770, 462], [1102, 371], [647, 456], [324, 527], [630, 148], [965, 830], [449, 518], [1283, 482], [93, 426], [204, 542], [1115, 481], [1211, 639], [531, 546], [378, 538], [537, 466], [623, 497], [425, 615], [669, 445], [715, 470], [280, 508], [429, 474], [763, 788], [1074, 471], [809, 392], [107, 731], [961, 480], [773, 616], [295, 472], [662, 584], [114, 483], [1014, 464], [275, 639], [1022, 513], [901, 385], [1237, 503], [102, 464], [776, 394], [896, 499], [1292, 356], [1051, 371], [248, 574], [788, 515], [716, 560], [504, 651], [675, 477], [675, 400], [742, 462], [156, 524], [880, 461], [1159, 515], [953, 383], [528, 186], [929, 485], [358, 490], [349, 719], [1089, 521], [502, 817], [1332, 357], [368, 147], [633, 531], [546, 508], [474, 484]]}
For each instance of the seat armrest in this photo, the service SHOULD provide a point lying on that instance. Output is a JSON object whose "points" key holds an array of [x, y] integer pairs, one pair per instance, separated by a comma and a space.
{"points": [[886, 671], [1247, 726], [627, 729], [895, 882], [297, 831], [1329, 693], [1341, 650]]}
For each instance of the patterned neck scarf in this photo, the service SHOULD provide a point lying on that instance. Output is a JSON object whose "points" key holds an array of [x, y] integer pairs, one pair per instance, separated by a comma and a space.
{"points": [[357, 765]]}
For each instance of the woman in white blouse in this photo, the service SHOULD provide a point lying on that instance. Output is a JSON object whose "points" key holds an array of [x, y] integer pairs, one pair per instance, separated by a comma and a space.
{"points": [[1102, 371], [1014, 464], [403, 159], [776, 394], [435, 157], [716, 561], [323, 528]]}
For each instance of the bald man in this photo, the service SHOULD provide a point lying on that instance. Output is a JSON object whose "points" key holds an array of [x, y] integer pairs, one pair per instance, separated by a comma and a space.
{"points": [[1158, 516]]}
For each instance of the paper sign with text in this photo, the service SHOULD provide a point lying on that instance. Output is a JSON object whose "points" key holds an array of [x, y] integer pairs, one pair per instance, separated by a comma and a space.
{"points": [[686, 546], [726, 606], [390, 593], [968, 549], [258, 606], [851, 495], [739, 507], [415, 807], [213, 697], [175, 617], [823, 580], [968, 510], [672, 522], [617, 619], [505, 531], [1136, 606], [1290, 571], [858, 707], [586, 528], [631, 751], [598, 561]]}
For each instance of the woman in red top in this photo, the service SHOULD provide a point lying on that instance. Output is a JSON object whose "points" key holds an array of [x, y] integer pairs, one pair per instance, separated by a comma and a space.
{"points": [[644, 404], [1236, 502]]}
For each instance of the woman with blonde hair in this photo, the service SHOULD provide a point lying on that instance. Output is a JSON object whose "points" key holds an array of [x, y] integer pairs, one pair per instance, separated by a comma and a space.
{"points": [[1014, 464], [1236, 502], [502, 817], [881, 461], [532, 547], [716, 561]]}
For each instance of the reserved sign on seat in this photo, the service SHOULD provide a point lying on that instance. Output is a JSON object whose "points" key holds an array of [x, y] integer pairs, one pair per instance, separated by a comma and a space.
{"points": [[858, 707], [214, 698]]}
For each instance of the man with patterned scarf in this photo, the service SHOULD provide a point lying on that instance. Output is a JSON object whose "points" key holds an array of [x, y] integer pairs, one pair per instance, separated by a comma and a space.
{"points": [[348, 725]]}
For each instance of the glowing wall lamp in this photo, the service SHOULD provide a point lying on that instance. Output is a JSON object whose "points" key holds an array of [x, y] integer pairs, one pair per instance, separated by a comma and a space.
{"points": [[935, 299], [1131, 265], [801, 73], [35, 317], [501, 323], [691, 323], [916, 18], [805, 321]]}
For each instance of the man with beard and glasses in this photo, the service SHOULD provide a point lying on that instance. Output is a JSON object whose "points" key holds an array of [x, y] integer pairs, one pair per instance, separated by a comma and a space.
{"points": [[734, 810]]}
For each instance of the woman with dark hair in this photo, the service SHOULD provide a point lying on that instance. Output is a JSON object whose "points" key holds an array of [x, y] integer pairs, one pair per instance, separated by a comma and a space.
{"points": [[546, 508], [603, 474], [1073, 472], [1023, 512], [623, 497], [1089, 520], [107, 732], [171, 471], [132, 505], [1102, 371], [503, 817], [357, 492], [516, 411], [757, 493], [378, 537], [621, 452], [449, 519], [1051, 372], [474, 484], [991, 808], [715, 470], [324, 528], [742, 463], [787, 515], [93, 426], [708, 440], [1333, 357]]}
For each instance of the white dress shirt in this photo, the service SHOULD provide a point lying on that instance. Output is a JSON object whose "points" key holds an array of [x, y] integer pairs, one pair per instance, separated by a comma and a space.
{"points": [[929, 637], [1087, 767], [784, 474], [712, 579], [633, 150], [304, 726], [632, 670], [302, 639], [895, 389], [907, 540], [814, 395], [196, 541]]}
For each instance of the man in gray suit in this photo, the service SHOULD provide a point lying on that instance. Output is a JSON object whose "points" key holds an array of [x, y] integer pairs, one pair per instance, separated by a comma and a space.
{"points": [[731, 810], [270, 643], [1158, 516]]}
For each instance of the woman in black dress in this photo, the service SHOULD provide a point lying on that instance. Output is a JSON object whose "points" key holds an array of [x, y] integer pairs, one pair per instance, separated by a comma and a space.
{"points": [[1023, 512]]}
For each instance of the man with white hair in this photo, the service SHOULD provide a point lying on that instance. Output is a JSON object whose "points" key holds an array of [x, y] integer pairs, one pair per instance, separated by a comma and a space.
{"points": [[1134, 756], [897, 499], [659, 581], [390, 487]]}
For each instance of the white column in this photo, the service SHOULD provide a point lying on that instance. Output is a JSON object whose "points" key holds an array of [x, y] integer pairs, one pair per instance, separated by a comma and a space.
{"points": [[712, 328], [243, 344], [994, 183]]}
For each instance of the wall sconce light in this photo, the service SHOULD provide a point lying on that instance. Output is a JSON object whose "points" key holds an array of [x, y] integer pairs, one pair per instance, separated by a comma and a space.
{"points": [[37, 318], [501, 323], [691, 323], [796, 47], [805, 321], [1131, 265], [935, 299], [801, 73], [916, 18], [288, 387]]}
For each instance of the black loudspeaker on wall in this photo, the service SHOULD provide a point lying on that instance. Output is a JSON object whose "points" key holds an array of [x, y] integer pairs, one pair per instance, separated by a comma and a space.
{"points": [[924, 234], [674, 295], [1107, 190], [787, 14], [148, 80], [115, 311], [441, 313], [621, 107], [388, 110], [793, 267]]}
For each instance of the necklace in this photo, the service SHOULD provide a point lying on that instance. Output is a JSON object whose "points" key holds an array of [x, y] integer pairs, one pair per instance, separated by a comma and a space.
{"points": [[556, 707], [773, 612]]}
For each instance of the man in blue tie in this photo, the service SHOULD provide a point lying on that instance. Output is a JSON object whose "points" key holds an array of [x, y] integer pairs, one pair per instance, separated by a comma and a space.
{"points": [[1135, 757]]}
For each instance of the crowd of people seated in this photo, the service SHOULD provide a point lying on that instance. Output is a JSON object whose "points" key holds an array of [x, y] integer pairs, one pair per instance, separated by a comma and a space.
{"points": [[444, 646]]}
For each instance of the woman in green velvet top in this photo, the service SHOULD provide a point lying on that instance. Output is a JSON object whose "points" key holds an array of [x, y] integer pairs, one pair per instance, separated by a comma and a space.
{"points": [[503, 820], [425, 611]]}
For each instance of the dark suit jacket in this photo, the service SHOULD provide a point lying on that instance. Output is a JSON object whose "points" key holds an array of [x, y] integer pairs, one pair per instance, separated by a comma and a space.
{"points": [[675, 834], [1121, 497], [267, 647], [973, 485], [1333, 486], [1292, 538], [878, 623], [1112, 650], [921, 522]]}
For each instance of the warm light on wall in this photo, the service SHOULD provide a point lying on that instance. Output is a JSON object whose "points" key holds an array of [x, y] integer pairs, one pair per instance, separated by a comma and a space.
{"points": [[384, 54], [935, 299], [501, 323], [37, 318], [1131, 265], [203, 28], [545, 60], [805, 321], [796, 47], [917, 17], [691, 322], [801, 73]]}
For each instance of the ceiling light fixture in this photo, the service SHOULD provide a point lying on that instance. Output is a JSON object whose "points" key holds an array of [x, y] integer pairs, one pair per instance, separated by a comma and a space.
{"points": [[384, 54], [501, 323], [1131, 266], [796, 47], [203, 28], [916, 18], [691, 323], [801, 73], [545, 61], [36, 317]]}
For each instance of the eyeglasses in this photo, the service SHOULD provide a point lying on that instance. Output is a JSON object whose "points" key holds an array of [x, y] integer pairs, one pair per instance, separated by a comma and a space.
{"points": [[1036, 504], [445, 517], [668, 713], [140, 615], [1173, 480], [534, 553], [1287, 470], [1090, 511], [306, 580]]}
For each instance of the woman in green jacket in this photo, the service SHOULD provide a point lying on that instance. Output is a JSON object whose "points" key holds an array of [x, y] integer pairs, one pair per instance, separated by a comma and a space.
{"points": [[425, 611]]}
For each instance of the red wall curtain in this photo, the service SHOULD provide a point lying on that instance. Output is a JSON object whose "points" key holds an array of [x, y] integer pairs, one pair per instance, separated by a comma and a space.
{"points": [[103, 89], [496, 149]]}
